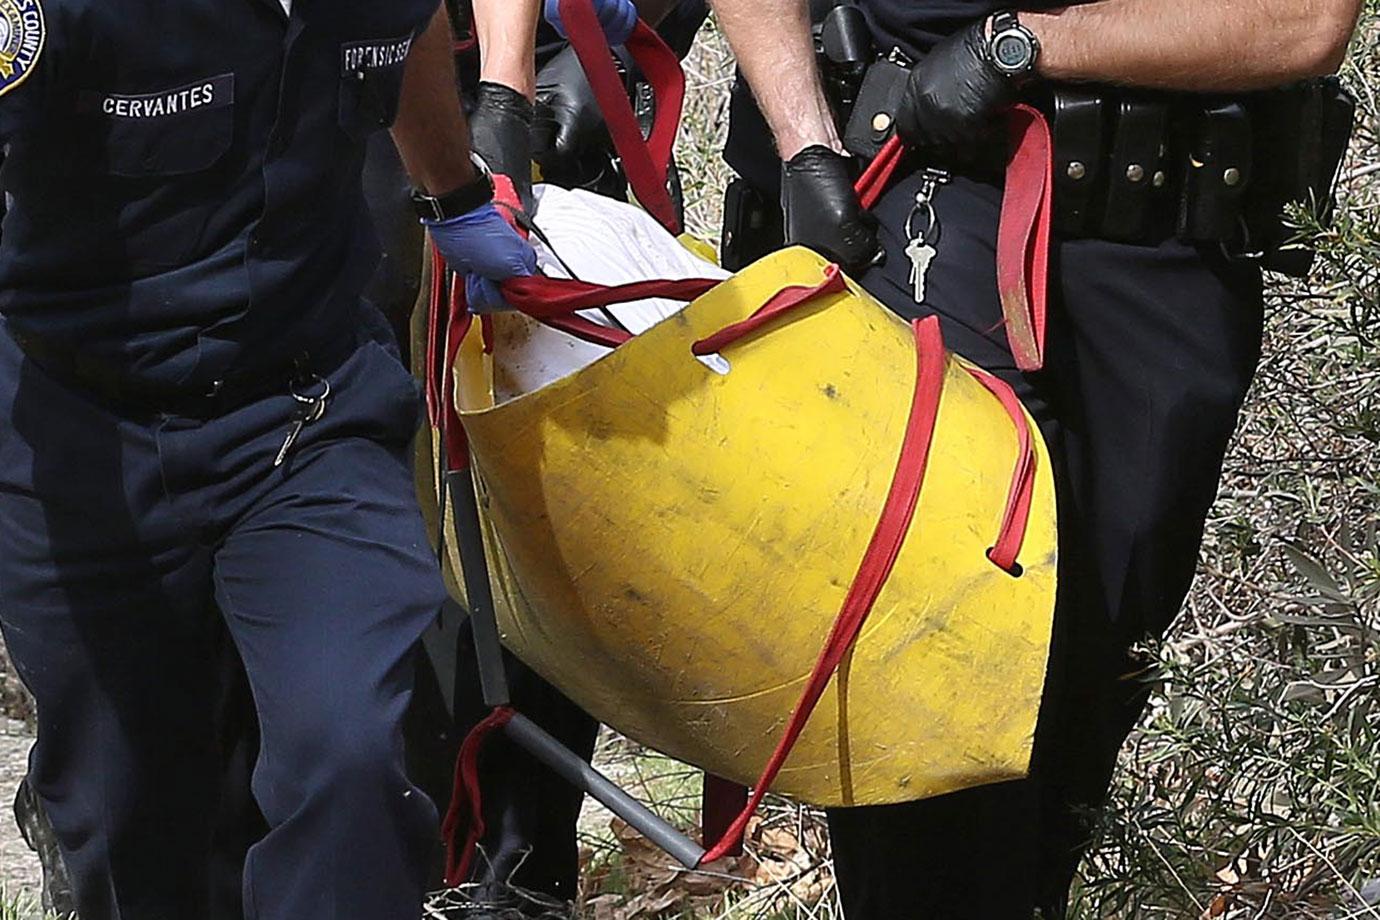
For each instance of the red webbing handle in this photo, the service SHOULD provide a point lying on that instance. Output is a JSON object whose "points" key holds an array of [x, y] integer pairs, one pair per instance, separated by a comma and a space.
{"points": [[1016, 517], [874, 180], [549, 298], [452, 431], [1023, 236], [466, 804], [435, 404], [646, 161], [783, 301], [876, 566], [589, 331]]}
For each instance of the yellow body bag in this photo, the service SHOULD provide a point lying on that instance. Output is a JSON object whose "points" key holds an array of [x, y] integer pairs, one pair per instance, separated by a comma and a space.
{"points": [[670, 546]]}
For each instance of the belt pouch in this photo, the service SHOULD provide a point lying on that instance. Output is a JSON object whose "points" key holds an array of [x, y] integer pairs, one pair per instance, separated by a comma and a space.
{"points": [[1217, 171], [873, 120], [1137, 177], [1301, 137], [1080, 150]]}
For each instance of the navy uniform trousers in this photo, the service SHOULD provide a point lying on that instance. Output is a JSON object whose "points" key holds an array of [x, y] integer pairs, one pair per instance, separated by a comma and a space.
{"points": [[129, 546], [1150, 353]]}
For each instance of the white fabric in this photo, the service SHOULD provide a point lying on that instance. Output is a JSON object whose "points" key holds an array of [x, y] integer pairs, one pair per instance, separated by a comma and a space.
{"points": [[287, 6], [601, 241]]}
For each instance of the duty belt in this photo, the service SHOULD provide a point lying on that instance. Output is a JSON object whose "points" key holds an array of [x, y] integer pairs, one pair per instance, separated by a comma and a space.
{"points": [[117, 388], [1143, 167]]}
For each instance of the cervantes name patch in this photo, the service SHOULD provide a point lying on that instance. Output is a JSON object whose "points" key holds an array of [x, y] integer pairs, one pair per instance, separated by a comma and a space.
{"points": [[22, 32], [210, 93]]}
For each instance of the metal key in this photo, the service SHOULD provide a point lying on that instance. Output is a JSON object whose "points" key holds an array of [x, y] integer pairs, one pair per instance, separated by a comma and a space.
{"points": [[921, 249], [311, 409], [921, 255]]}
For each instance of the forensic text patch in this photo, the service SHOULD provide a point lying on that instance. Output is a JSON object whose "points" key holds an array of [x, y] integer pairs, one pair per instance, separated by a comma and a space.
{"points": [[361, 56]]}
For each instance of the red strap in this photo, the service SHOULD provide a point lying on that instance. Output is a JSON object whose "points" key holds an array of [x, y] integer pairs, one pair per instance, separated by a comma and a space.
{"points": [[448, 322], [452, 431], [645, 161], [549, 298], [783, 301], [1014, 520], [879, 172], [1024, 234], [590, 331], [435, 405], [466, 804], [876, 564]]}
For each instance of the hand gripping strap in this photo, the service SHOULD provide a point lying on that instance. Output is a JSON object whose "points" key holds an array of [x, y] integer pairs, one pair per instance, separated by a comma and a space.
{"points": [[876, 566], [645, 161]]}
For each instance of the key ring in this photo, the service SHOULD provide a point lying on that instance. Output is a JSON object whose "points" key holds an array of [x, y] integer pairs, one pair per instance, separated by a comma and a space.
{"points": [[311, 383], [924, 204]]}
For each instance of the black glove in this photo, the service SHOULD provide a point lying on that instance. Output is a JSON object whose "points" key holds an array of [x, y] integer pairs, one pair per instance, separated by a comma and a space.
{"points": [[822, 210], [500, 132], [953, 97], [568, 132]]}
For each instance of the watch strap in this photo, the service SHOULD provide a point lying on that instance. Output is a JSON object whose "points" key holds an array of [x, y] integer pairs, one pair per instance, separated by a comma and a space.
{"points": [[461, 201]]}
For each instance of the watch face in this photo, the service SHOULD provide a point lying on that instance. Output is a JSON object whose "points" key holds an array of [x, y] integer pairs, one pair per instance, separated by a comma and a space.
{"points": [[1012, 51]]}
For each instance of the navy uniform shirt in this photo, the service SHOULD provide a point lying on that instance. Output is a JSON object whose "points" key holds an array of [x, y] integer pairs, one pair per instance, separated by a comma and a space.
{"points": [[184, 177]]}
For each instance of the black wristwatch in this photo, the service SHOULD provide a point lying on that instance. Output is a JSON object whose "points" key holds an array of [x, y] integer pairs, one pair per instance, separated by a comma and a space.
{"points": [[1013, 49], [463, 200]]}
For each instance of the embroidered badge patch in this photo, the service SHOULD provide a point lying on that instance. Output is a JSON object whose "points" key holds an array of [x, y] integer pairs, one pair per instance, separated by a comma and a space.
{"points": [[22, 32]]}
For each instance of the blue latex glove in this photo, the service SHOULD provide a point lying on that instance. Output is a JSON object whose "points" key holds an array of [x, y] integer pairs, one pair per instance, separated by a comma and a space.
{"points": [[618, 17], [482, 247]]}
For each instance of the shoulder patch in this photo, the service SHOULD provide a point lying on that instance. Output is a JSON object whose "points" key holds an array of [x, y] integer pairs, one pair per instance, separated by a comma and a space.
{"points": [[22, 33]]}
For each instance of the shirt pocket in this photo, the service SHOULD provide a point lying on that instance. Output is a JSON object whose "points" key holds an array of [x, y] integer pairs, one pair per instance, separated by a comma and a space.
{"points": [[181, 130], [371, 75]]}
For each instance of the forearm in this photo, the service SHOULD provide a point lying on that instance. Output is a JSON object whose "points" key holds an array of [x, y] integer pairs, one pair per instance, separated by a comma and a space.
{"points": [[507, 33], [1197, 45], [779, 64], [430, 131]]}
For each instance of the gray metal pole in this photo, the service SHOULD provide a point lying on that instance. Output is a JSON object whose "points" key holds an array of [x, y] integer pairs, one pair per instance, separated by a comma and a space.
{"points": [[469, 539], [532, 738], [523, 731]]}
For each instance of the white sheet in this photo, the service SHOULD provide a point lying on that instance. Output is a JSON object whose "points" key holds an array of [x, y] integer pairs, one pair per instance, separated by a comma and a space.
{"points": [[604, 242]]}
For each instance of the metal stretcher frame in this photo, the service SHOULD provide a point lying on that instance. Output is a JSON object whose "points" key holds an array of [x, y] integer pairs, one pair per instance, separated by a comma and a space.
{"points": [[525, 733]]}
